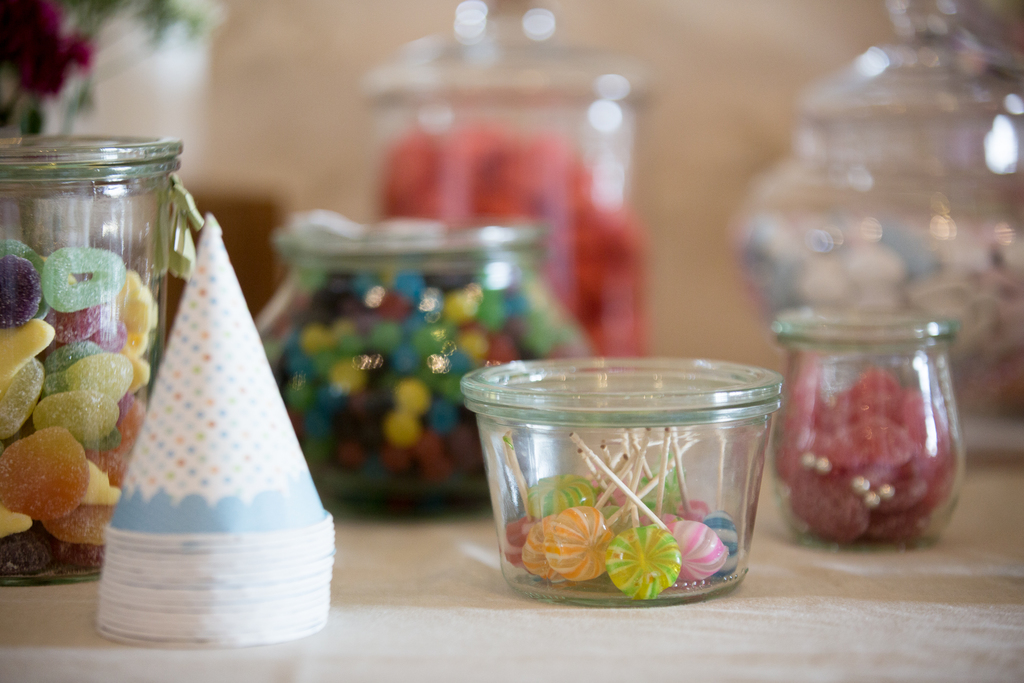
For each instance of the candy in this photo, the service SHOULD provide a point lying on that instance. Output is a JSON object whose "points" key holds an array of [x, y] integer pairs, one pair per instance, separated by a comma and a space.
{"points": [[412, 396], [24, 553], [534, 555], [140, 370], [703, 552], [18, 345], [346, 378], [110, 374], [577, 544], [19, 400], [111, 336], [63, 358], [107, 277], [20, 291], [551, 495], [87, 415], [721, 523], [516, 534], [78, 325], [83, 525], [99, 492], [138, 308], [401, 429], [8, 247], [443, 416], [45, 475], [80, 554], [642, 562], [13, 522]]}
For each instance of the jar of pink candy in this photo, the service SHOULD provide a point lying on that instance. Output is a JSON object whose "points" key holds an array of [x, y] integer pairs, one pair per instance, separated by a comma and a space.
{"points": [[88, 229], [868, 449]]}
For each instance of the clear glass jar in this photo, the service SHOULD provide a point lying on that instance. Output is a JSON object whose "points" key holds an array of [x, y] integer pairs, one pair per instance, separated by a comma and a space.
{"points": [[868, 450], [906, 190], [624, 482], [504, 123], [84, 225], [369, 337]]}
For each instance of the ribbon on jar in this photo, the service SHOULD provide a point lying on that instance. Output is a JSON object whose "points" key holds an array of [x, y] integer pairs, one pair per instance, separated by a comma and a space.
{"points": [[175, 248]]}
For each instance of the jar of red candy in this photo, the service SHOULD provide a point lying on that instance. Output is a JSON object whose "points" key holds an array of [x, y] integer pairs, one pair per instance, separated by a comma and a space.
{"points": [[503, 122], [371, 333], [85, 241], [868, 449]]}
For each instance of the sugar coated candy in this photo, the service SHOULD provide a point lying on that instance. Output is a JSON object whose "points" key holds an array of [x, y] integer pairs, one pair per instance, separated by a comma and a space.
{"points": [[105, 268], [24, 553], [644, 561], [82, 525], [77, 325], [534, 555], [13, 522], [577, 545], [62, 358], [18, 345], [551, 495], [703, 552], [141, 370], [20, 291], [87, 415], [110, 374], [79, 554], [100, 492], [19, 400], [721, 523], [45, 475]]}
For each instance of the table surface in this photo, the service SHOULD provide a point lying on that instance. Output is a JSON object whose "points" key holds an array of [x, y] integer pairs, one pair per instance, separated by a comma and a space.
{"points": [[425, 601]]}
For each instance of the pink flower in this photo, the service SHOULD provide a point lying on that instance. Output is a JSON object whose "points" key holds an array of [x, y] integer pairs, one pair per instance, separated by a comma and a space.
{"points": [[30, 38]]}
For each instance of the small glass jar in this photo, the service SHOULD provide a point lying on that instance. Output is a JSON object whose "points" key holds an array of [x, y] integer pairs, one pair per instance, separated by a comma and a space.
{"points": [[868, 450], [84, 226], [624, 482], [369, 336]]}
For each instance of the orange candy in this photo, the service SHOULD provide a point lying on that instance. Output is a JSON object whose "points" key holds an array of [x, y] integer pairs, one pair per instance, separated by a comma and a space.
{"points": [[535, 558], [577, 544], [84, 524], [114, 462], [44, 475]]}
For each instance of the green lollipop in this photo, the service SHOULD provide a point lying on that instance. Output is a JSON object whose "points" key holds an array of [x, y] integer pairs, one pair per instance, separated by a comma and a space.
{"points": [[644, 561], [551, 495]]}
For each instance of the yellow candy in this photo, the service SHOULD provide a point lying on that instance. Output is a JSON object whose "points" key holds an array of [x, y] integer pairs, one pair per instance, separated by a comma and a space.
{"points": [[136, 316], [343, 327], [140, 371], [100, 492], [347, 378], [136, 343], [13, 522], [412, 396], [474, 344], [315, 338], [138, 309], [402, 429], [17, 345], [88, 415], [111, 374], [460, 306]]}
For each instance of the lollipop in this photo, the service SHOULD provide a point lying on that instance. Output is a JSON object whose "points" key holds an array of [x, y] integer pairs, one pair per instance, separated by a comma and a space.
{"points": [[702, 550], [534, 558], [577, 544], [644, 561], [551, 495], [721, 523]]}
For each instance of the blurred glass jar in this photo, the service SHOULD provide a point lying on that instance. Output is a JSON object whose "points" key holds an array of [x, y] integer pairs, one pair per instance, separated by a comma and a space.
{"points": [[370, 335], [868, 449], [504, 123], [906, 190], [84, 224]]}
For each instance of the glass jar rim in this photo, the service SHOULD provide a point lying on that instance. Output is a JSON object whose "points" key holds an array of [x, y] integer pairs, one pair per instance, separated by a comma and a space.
{"points": [[862, 327], [624, 392], [44, 157]]}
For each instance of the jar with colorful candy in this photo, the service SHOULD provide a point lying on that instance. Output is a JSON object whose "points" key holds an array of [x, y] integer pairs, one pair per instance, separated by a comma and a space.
{"points": [[369, 337], [84, 244], [505, 123], [624, 482], [868, 450]]}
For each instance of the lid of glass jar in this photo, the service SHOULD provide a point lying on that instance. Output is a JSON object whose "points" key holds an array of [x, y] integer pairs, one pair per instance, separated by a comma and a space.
{"points": [[505, 48], [41, 157], [862, 328], [629, 392], [926, 105]]}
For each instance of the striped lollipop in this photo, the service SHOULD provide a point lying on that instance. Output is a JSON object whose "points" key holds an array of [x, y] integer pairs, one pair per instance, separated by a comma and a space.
{"points": [[721, 523], [702, 550], [644, 561], [576, 547], [551, 495], [534, 557]]}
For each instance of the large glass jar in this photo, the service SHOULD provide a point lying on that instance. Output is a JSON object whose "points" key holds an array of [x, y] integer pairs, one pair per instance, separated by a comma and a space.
{"points": [[906, 190], [369, 336], [84, 237], [504, 123], [868, 450]]}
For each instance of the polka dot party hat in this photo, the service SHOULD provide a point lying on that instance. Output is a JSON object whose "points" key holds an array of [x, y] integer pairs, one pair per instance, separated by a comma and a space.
{"points": [[217, 452]]}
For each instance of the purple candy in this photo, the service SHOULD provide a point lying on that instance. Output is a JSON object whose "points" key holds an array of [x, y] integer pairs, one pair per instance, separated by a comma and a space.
{"points": [[123, 406], [24, 553], [77, 325], [111, 336], [20, 291]]}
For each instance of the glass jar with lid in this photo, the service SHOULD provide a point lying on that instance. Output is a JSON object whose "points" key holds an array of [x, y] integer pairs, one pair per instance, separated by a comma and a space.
{"points": [[906, 190], [370, 334], [86, 240], [505, 123]]}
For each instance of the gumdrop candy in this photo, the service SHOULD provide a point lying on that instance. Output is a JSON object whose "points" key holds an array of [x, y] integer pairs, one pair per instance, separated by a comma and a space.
{"points": [[100, 492], [111, 336], [84, 524], [141, 370], [873, 440], [78, 554], [644, 561], [577, 544], [19, 400], [13, 522], [123, 406], [45, 475], [87, 415], [110, 374], [552, 495], [78, 325], [107, 278], [64, 357], [534, 555], [877, 393], [18, 345], [138, 308], [111, 463], [20, 291], [24, 553], [828, 506]]}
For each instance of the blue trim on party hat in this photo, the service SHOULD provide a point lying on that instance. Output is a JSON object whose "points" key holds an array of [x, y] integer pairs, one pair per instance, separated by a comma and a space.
{"points": [[299, 508]]}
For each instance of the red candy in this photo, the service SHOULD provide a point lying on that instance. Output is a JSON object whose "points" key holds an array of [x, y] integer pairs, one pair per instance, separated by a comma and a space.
{"points": [[77, 325], [80, 554]]}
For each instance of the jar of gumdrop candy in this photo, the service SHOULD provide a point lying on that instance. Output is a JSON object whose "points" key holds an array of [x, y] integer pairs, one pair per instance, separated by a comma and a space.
{"points": [[369, 336], [83, 251], [868, 450], [505, 123]]}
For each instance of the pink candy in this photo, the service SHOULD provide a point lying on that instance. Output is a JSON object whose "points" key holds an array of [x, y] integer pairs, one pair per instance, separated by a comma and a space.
{"points": [[702, 550]]}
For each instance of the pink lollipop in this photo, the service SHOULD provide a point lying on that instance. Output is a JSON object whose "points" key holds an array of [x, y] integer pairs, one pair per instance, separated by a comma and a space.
{"points": [[703, 551]]}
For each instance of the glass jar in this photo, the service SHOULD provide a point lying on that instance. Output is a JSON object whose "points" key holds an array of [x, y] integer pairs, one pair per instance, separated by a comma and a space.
{"points": [[868, 450], [85, 228], [369, 336], [905, 190], [504, 123], [624, 482]]}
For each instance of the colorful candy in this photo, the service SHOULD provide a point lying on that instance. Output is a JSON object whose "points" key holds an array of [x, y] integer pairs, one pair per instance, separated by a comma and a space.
{"points": [[110, 374], [20, 291], [78, 554], [107, 273], [64, 357], [577, 544], [99, 492], [78, 325], [721, 523], [534, 556], [551, 495], [44, 475], [18, 345], [13, 522], [24, 553], [703, 552], [644, 561], [83, 525], [19, 400], [87, 415]]}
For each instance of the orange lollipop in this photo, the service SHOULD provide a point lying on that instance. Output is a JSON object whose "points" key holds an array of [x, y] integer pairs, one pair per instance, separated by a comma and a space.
{"points": [[577, 544], [534, 557]]}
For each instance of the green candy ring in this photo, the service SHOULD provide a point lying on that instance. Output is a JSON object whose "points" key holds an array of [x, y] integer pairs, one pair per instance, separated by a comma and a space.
{"points": [[106, 268], [644, 561], [551, 495]]}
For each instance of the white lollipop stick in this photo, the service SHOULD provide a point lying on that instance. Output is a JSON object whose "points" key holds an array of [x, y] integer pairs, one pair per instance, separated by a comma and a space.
{"points": [[513, 464], [659, 508], [634, 484], [644, 444]]}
